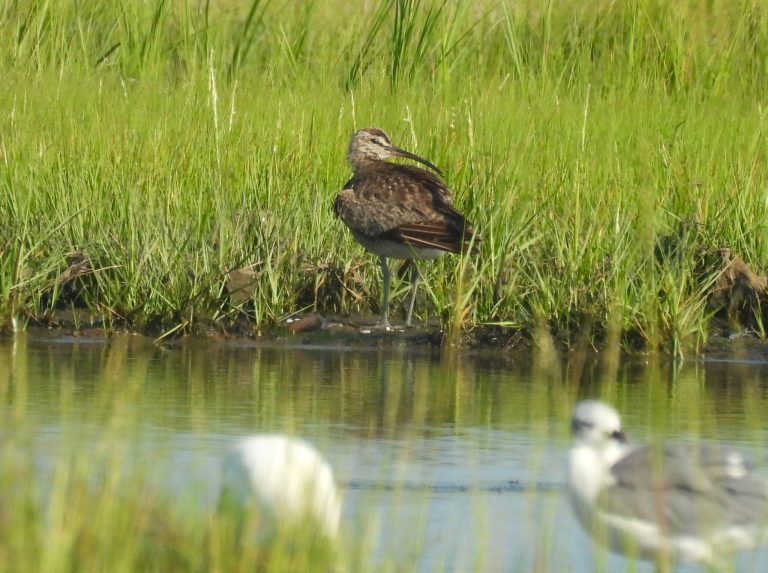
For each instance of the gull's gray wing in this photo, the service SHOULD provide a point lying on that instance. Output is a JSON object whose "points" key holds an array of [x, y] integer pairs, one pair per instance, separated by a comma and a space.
{"points": [[687, 489]]}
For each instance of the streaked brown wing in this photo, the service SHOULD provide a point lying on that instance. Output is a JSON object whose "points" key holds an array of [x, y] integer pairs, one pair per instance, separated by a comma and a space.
{"points": [[431, 234], [403, 203]]}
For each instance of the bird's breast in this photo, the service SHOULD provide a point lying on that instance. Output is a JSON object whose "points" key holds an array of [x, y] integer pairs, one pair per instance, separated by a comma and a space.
{"points": [[393, 249], [587, 474]]}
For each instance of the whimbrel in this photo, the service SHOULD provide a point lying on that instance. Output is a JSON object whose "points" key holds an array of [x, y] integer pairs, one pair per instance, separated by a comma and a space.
{"points": [[398, 211]]}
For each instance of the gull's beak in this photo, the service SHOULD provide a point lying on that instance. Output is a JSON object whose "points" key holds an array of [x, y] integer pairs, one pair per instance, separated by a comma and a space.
{"points": [[396, 151], [619, 436]]}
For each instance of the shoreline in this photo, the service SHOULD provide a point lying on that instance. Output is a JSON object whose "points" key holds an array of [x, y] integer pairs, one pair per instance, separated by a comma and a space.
{"points": [[360, 332]]}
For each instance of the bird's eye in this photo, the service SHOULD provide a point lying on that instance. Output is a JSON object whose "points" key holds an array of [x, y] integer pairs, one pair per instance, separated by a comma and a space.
{"points": [[579, 425], [376, 141]]}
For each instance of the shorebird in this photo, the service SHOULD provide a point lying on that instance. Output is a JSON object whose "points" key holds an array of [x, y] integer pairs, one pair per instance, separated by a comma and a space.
{"points": [[398, 211], [284, 481], [676, 502]]}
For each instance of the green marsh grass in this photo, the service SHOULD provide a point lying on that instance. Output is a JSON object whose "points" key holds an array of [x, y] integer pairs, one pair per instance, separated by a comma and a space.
{"points": [[170, 142]]}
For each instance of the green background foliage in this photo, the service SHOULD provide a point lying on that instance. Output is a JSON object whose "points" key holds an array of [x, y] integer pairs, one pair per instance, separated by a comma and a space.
{"points": [[168, 142]]}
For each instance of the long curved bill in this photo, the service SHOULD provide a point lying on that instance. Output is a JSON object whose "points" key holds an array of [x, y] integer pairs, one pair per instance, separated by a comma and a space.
{"points": [[403, 153]]}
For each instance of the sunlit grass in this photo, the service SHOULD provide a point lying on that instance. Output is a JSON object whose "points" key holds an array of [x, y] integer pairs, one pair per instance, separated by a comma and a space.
{"points": [[170, 142], [95, 513]]}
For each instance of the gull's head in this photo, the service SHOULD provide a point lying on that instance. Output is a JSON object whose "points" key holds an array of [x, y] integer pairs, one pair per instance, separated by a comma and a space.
{"points": [[597, 425]]}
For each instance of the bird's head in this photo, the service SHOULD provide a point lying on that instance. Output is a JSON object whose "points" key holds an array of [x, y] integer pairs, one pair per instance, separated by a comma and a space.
{"points": [[372, 144], [597, 425]]}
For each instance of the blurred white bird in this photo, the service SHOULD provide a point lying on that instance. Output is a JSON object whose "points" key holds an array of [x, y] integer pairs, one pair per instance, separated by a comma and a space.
{"points": [[689, 503], [282, 480]]}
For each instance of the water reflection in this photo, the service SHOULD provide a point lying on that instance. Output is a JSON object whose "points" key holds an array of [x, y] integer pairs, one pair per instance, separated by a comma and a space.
{"points": [[428, 442]]}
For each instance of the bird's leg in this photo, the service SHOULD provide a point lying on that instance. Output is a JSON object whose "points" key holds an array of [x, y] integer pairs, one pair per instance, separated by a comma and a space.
{"points": [[414, 283], [385, 299]]}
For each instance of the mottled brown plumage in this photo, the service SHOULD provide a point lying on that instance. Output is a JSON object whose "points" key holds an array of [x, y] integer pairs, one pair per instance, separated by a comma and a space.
{"points": [[398, 211]]}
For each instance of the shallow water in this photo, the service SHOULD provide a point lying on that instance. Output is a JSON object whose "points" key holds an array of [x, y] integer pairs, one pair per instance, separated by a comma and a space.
{"points": [[449, 461]]}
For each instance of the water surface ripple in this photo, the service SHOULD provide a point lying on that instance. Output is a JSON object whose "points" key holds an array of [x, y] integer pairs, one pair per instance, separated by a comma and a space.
{"points": [[450, 461]]}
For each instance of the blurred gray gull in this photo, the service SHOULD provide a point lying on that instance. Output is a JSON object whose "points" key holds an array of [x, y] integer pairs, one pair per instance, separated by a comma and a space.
{"points": [[675, 502]]}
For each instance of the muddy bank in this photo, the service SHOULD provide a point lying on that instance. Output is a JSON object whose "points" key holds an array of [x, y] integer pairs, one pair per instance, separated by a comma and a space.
{"points": [[314, 330], [725, 287]]}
